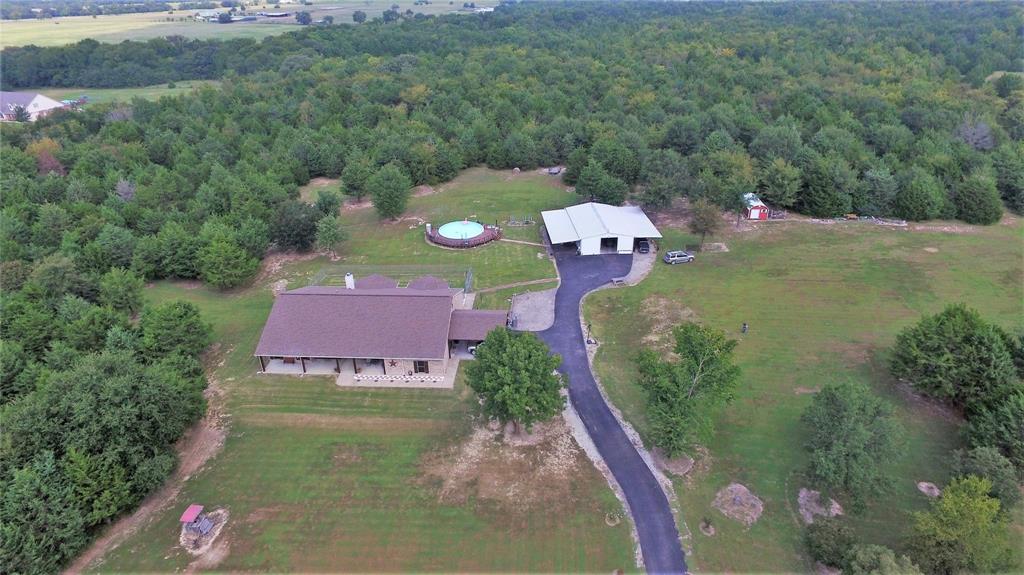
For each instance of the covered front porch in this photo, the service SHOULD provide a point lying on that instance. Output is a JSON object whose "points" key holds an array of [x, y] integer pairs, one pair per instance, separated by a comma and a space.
{"points": [[320, 366]]}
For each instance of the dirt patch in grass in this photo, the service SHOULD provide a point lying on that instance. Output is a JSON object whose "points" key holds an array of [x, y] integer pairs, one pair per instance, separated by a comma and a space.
{"points": [[929, 489], [944, 228], [271, 265], [197, 544], [811, 504], [210, 559], [851, 353], [706, 527], [424, 190], [806, 390], [517, 474], [931, 250], [930, 406], [737, 502], [713, 247], [680, 465], [381, 425], [663, 314]]}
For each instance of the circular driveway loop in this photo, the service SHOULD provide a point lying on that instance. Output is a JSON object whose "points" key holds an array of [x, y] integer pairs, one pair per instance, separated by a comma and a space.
{"points": [[655, 525]]}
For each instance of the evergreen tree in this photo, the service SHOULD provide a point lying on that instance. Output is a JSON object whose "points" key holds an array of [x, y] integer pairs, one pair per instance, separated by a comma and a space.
{"points": [[977, 201], [920, 196], [224, 264], [779, 183]]}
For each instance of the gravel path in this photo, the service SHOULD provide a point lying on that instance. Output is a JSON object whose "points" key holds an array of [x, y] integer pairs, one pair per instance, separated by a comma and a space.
{"points": [[656, 528]]}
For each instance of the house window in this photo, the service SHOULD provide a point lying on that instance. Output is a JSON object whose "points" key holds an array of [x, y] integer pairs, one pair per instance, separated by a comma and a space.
{"points": [[420, 366]]}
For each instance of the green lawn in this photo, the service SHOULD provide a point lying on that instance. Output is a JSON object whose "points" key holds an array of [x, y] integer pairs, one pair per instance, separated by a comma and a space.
{"points": [[824, 304], [478, 193], [104, 95], [323, 479], [119, 27]]}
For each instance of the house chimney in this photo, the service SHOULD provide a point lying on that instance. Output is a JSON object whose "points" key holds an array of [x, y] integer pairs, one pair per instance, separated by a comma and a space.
{"points": [[350, 281]]}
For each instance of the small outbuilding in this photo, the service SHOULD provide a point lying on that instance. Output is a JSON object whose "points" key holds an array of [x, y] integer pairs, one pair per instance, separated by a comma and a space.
{"points": [[599, 228], [756, 210], [195, 521]]}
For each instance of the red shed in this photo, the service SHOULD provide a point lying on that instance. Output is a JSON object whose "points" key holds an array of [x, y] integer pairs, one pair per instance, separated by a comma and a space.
{"points": [[756, 210]]}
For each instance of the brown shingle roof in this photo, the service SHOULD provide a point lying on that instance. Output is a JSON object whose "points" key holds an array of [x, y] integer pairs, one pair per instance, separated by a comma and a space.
{"points": [[376, 281], [322, 321], [475, 324], [428, 283]]}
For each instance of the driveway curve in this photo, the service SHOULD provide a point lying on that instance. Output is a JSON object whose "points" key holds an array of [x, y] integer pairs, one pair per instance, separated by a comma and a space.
{"points": [[655, 525]]}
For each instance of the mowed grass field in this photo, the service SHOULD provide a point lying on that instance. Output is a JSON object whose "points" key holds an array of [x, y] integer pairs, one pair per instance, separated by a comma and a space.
{"points": [[119, 27], [478, 193], [106, 95], [824, 303], [324, 479]]}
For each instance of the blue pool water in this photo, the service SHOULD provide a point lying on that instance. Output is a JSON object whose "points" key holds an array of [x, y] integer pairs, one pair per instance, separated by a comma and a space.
{"points": [[460, 230]]}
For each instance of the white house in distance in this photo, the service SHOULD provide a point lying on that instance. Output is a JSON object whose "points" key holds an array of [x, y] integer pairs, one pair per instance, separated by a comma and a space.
{"points": [[37, 105], [595, 227]]}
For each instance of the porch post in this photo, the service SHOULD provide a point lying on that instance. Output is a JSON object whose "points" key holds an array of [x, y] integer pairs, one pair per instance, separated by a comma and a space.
{"points": [[303, 360], [263, 365]]}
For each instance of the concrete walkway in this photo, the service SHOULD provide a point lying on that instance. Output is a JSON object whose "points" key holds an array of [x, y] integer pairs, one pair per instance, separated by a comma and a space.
{"points": [[656, 527]]}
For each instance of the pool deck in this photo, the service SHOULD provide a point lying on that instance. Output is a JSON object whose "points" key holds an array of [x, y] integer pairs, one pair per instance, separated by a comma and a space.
{"points": [[489, 234]]}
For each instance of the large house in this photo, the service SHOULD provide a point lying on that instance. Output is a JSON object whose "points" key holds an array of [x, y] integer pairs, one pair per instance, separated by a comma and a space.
{"points": [[372, 332], [35, 105], [599, 228]]}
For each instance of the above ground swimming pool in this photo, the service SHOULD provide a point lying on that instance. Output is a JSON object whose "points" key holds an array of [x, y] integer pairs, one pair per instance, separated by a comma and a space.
{"points": [[464, 230]]}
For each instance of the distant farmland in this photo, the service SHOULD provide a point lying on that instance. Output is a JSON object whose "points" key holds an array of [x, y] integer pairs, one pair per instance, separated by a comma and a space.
{"points": [[119, 27]]}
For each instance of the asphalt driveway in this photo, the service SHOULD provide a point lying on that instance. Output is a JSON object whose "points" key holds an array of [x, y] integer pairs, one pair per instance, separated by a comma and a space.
{"points": [[655, 525]]}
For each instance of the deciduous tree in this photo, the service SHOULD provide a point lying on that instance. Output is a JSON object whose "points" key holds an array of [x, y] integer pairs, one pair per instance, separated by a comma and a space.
{"points": [[963, 532], [389, 188], [683, 395], [515, 376]]}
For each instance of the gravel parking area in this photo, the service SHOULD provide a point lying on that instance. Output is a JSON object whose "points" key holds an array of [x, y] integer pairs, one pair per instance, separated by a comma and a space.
{"points": [[534, 311]]}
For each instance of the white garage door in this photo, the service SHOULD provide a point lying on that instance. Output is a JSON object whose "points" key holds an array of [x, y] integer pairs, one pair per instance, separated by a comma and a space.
{"points": [[590, 246], [625, 244]]}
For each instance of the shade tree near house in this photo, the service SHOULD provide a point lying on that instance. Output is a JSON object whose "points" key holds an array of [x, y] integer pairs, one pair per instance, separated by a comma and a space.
{"points": [[684, 395], [853, 436], [330, 233], [514, 375]]}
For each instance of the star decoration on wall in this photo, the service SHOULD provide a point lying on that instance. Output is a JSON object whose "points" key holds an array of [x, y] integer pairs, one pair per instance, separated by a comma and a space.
{"points": [[392, 363]]}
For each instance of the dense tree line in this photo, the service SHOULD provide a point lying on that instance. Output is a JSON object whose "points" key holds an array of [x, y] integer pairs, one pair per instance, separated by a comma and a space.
{"points": [[23, 9]]}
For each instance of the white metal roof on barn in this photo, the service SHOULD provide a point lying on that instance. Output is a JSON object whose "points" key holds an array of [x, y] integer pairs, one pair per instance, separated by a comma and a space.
{"points": [[592, 220]]}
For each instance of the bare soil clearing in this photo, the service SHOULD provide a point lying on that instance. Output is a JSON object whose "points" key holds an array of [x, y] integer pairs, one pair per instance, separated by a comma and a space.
{"points": [[737, 502], [271, 265], [515, 472], [663, 314], [197, 544], [811, 505], [680, 465], [806, 390]]}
